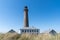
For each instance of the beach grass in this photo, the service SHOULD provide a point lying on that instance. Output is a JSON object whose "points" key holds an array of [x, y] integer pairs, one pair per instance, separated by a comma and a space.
{"points": [[16, 36]]}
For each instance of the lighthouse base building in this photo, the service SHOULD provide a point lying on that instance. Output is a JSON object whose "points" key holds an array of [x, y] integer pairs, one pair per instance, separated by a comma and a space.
{"points": [[29, 31]]}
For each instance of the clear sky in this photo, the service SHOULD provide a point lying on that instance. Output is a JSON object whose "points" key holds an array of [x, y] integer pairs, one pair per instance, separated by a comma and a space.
{"points": [[43, 14]]}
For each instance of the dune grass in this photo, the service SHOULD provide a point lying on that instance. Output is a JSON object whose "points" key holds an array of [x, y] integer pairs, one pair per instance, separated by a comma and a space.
{"points": [[16, 36]]}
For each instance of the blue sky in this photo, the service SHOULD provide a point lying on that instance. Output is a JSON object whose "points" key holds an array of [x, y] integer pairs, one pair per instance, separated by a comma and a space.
{"points": [[43, 14]]}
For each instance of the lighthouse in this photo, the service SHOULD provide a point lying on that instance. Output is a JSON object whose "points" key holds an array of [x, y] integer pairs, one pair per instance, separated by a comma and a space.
{"points": [[26, 21], [27, 29]]}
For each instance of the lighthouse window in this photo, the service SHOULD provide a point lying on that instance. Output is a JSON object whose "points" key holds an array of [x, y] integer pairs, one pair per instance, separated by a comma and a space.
{"points": [[37, 30], [30, 30], [22, 30], [27, 30]]}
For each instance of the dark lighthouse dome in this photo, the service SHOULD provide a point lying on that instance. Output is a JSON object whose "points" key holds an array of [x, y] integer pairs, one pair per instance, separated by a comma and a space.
{"points": [[26, 7]]}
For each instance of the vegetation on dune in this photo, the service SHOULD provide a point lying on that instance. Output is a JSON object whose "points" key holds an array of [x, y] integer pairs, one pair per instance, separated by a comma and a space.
{"points": [[16, 36], [1, 36]]}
